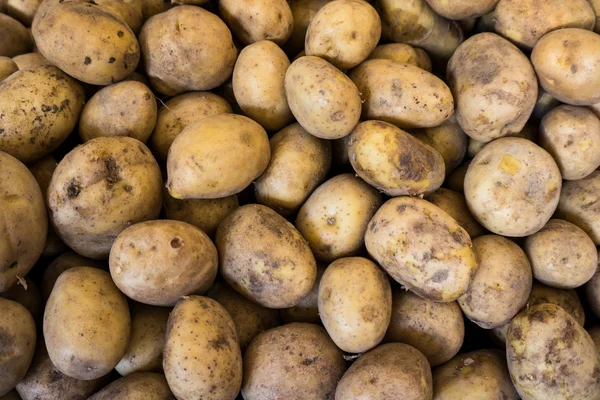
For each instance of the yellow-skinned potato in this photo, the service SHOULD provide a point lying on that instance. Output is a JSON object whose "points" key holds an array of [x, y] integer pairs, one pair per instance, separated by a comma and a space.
{"points": [[303, 11], [153, 7], [307, 310], [14, 37], [579, 204], [403, 53], [529, 132], [455, 205], [62, 263], [7, 67], [124, 11], [202, 357], [27, 294], [393, 161], [592, 290], [86, 301], [462, 10], [299, 163], [324, 100], [422, 248], [29, 60], [22, 11], [139, 386]]}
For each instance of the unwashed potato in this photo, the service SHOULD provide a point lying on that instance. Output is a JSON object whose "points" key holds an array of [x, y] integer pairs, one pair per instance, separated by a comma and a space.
{"points": [[295, 361], [138, 386], [529, 132], [462, 10], [307, 310], [303, 11], [579, 204], [62, 263], [423, 248], [455, 205], [27, 294], [7, 67], [403, 53], [14, 37], [385, 372], [592, 289], [435, 329]]}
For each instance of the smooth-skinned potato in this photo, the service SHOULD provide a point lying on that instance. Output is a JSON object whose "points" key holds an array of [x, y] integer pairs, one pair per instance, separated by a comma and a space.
{"points": [[307, 310], [579, 204], [7, 67], [462, 10], [138, 386], [62, 263], [14, 37], [455, 205], [404, 53]]}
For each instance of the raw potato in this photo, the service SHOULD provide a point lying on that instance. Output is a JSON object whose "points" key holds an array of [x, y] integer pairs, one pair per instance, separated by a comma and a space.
{"points": [[187, 48], [295, 362], [7, 68], [153, 7], [334, 218], [403, 53], [101, 188], [303, 11], [264, 258], [217, 157], [202, 357], [62, 263], [580, 204], [139, 386], [455, 205], [324, 100], [422, 248], [123, 109], [494, 86], [402, 94], [512, 187], [456, 180], [393, 161], [385, 372], [592, 289], [14, 37], [307, 310], [299, 163], [22, 10], [464, 9], [529, 132], [124, 11], [27, 294], [435, 329]]}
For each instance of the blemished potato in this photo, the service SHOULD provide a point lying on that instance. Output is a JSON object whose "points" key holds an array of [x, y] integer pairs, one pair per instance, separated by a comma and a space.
{"points": [[14, 37], [481, 374], [299, 163], [544, 104], [489, 73], [138, 386], [264, 258], [529, 132], [322, 98], [307, 310], [86, 301], [422, 248], [18, 343], [256, 20], [62, 263], [343, 32], [455, 205], [295, 361], [7, 67], [403, 53], [178, 113], [402, 94], [24, 216], [393, 161], [435, 329], [27, 294], [572, 136], [545, 336], [30, 60], [462, 10], [385, 372], [456, 180], [217, 157], [524, 22], [40, 107], [579, 204], [334, 218], [101, 188], [565, 61], [123, 109], [249, 318], [592, 290], [512, 187], [202, 357], [187, 48], [148, 330], [303, 11], [501, 285]]}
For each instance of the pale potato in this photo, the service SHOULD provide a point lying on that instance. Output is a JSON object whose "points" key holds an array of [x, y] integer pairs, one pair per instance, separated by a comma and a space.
{"points": [[579, 204], [464, 9]]}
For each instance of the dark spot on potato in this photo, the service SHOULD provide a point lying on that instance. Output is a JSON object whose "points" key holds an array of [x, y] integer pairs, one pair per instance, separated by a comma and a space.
{"points": [[212, 388], [401, 208], [176, 243], [112, 171], [309, 361], [111, 60], [331, 221], [516, 331], [127, 188], [87, 61], [7, 343], [14, 264], [440, 276], [573, 68], [147, 96], [120, 34], [55, 375], [219, 343], [354, 35], [459, 237], [337, 116], [537, 315], [73, 189]]}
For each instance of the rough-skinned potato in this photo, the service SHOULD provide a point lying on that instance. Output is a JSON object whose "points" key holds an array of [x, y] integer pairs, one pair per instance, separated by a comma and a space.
{"points": [[580, 204], [455, 205], [403, 53]]}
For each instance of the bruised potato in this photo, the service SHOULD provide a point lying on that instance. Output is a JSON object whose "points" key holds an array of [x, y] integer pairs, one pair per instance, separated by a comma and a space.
{"points": [[138, 386], [404, 53], [579, 204], [455, 205]]}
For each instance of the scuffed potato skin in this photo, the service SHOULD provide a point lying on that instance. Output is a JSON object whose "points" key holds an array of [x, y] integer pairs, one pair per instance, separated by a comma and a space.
{"points": [[14, 37], [403, 53], [455, 205], [580, 204], [138, 386]]}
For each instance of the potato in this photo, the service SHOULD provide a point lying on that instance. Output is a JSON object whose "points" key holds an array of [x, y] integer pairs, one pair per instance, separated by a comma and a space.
{"points": [[194, 169], [24, 221], [124, 11], [572, 136], [303, 11], [592, 289], [403, 53], [565, 61], [187, 48], [296, 361], [579, 204], [264, 258], [551, 356], [101, 188], [455, 205], [139, 386], [463, 9], [148, 330], [435, 329], [544, 104], [202, 358], [17, 341], [402, 94], [153, 7], [524, 22], [529, 132], [344, 32], [480, 374], [62, 263], [494, 86], [123, 109], [385, 372], [307, 310], [40, 107], [256, 20], [299, 163], [27, 294], [7, 68], [324, 100], [422, 248], [14, 37], [456, 180], [334, 218]]}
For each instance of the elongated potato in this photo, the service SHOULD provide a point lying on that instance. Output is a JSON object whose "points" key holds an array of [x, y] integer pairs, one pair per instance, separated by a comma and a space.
{"points": [[139, 386], [307, 310], [455, 205], [14, 37], [403, 53]]}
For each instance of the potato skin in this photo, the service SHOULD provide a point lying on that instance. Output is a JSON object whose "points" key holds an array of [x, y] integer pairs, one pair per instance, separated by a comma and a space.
{"points": [[403, 53], [7, 67], [455, 205], [462, 10], [529, 132], [14, 37], [62, 263], [448, 139], [307, 310], [138, 386], [303, 11], [579, 204], [390, 240]]}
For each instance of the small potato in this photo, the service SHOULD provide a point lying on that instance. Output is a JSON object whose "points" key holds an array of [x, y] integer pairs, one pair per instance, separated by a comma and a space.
{"points": [[299, 163], [264, 258], [393, 161], [464, 9], [139, 386], [307, 310], [403, 53], [435, 329], [14, 37], [303, 11], [385, 372], [27, 294], [123, 109], [7, 68], [402, 94], [334, 218], [456, 180], [294, 362], [324, 100], [202, 357], [217, 157], [455, 205], [30, 60], [62, 263], [529, 132], [579, 204], [422, 248]]}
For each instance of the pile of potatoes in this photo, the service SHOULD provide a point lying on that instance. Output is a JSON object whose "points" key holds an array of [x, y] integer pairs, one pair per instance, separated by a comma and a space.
{"points": [[299, 200]]}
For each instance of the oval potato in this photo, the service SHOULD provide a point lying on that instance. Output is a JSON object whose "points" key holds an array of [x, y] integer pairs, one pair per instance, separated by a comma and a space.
{"points": [[464, 9], [62, 263]]}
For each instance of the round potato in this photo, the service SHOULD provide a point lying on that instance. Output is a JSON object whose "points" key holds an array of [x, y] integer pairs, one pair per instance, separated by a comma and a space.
{"points": [[455, 205], [14, 37], [139, 386], [303, 11], [62, 263], [7, 67], [27, 294], [529, 132], [464, 9], [579, 204], [307, 310], [403, 53]]}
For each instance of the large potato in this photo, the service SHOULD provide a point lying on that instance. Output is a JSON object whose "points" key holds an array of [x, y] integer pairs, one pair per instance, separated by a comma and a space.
{"points": [[579, 204], [14, 37], [62, 263], [303, 11], [7, 67], [307, 310], [27, 294], [403, 53], [463, 9], [139, 386], [455, 205]]}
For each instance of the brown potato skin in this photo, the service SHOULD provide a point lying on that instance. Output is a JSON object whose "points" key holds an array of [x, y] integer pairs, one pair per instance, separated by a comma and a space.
{"points": [[138, 386], [403, 53], [27, 294], [303, 11], [62, 263], [7, 67], [462, 10], [307, 310], [579, 204], [455, 205], [14, 37]]}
